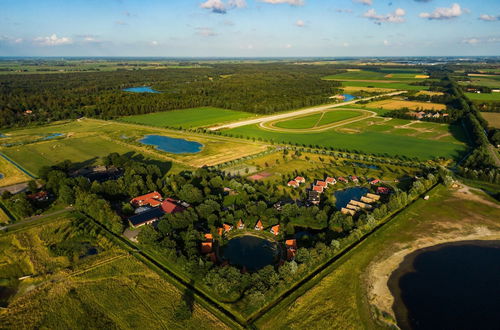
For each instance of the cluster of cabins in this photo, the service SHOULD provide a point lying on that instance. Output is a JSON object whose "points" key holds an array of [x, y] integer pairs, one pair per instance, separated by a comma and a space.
{"points": [[428, 114], [365, 204], [295, 183], [275, 230], [151, 207]]}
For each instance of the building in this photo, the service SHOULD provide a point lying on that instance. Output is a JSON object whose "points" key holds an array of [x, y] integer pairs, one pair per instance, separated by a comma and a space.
{"points": [[373, 196], [40, 196], [142, 209], [361, 204], [146, 218], [171, 206], [153, 199], [206, 247], [300, 179], [241, 225], [368, 200], [321, 184], [314, 197], [352, 207], [342, 179], [293, 183], [347, 211], [291, 248], [227, 228], [209, 237], [318, 189], [375, 181], [275, 230], [354, 179], [383, 190], [259, 226], [330, 180]]}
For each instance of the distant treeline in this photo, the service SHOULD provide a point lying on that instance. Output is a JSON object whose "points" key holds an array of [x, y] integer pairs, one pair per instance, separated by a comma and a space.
{"points": [[257, 88]]}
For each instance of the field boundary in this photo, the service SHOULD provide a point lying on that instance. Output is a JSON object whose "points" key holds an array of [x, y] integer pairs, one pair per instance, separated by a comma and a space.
{"points": [[19, 167]]}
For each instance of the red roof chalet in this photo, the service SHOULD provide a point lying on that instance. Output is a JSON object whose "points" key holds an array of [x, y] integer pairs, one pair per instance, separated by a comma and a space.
{"points": [[293, 183], [341, 178], [330, 180], [153, 199], [206, 247], [241, 225], [318, 189], [259, 226], [275, 230], [383, 190], [375, 181], [291, 244], [171, 206], [300, 179]]}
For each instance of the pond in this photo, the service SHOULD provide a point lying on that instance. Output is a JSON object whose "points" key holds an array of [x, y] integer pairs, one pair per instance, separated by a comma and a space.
{"points": [[142, 89], [2, 136], [251, 252], [449, 286], [173, 145], [343, 197], [348, 97], [51, 136], [1, 176]]}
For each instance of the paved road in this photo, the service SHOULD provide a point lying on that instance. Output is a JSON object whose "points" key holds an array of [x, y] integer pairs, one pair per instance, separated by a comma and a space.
{"points": [[297, 113]]}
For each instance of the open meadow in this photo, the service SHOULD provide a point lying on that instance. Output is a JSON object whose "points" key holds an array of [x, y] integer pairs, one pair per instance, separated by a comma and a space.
{"points": [[383, 74], [493, 118], [64, 276], [317, 120], [396, 104], [483, 96], [350, 293], [492, 81], [189, 118]]}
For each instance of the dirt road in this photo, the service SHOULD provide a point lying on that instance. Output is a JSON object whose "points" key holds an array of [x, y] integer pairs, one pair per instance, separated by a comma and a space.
{"points": [[297, 113]]}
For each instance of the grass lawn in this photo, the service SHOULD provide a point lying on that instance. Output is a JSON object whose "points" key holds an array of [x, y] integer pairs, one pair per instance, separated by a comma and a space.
{"points": [[493, 118], [189, 118], [110, 289], [318, 119], [483, 96], [488, 81], [11, 174], [339, 298]]}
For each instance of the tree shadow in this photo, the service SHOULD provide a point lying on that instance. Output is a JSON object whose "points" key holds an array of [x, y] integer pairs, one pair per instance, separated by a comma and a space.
{"points": [[184, 310]]}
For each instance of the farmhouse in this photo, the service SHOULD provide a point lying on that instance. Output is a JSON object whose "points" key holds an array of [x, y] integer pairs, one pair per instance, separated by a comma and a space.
{"points": [[293, 183], [275, 230], [259, 226], [153, 199], [146, 218], [300, 179], [171, 206]]}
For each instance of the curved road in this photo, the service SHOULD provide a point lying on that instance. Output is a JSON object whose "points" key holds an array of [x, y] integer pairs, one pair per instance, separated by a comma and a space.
{"points": [[297, 113]]}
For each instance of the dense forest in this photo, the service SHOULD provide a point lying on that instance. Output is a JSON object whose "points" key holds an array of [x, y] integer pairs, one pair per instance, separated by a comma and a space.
{"points": [[257, 88]]}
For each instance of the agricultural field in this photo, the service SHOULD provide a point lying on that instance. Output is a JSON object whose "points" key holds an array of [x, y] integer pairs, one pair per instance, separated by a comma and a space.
{"points": [[189, 118], [483, 96], [396, 104], [354, 90], [492, 81], [76, 280], [318, 119], [385, 74], [493, 118], [9, 174], [384, 84], [348, 294], [85, 141]]}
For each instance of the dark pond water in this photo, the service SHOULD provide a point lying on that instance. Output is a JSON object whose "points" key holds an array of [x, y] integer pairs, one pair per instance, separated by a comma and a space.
{"points": [[173, 145], [142, 89], [52, 136], [348, 97], [345, 196], [251, 252], [449, 286]]}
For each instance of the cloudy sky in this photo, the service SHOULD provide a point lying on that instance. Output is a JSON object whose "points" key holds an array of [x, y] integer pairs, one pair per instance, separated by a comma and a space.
{"points": [[203, 28]]}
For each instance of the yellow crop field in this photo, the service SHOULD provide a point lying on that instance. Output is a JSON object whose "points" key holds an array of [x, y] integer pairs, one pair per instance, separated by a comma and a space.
{"points": [[354, 89], [430, 93], [493, 118], [10, 174], [393, 104], [421, 76]]}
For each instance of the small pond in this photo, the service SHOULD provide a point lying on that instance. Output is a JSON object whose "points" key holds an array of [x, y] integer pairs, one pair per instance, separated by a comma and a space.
{"points": [[1, 176], [449, 286], [51, 136], [343, 197], [251, 252], [142, 89], [348, 97], [2, 136], [173, 145]]}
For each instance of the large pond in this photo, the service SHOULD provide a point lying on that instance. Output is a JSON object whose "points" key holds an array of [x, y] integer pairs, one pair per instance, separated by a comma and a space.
{"points": [[348, 97], [449, 286], [142, 89], [343, 197], [173, 145], [251, 252]]}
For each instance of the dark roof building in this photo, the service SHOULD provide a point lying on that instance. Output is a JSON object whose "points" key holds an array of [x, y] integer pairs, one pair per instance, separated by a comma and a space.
{"points": [[145, 218]]}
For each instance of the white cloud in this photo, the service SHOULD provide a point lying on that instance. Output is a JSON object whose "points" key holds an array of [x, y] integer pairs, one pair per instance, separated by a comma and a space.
{"points": [[53, 40], [205, 32], [364, 2], [345, 44], [220, 7], [387, 43], [300, 23], [340, 10], [444, 13], [489, 18], [471, 41], [11, 40], [288, 46], [485, 40], [154, 43], [290, 2], [396, 16]]}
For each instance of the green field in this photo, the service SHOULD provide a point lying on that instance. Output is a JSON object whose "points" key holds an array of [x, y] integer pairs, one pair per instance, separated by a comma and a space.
{"points": [[318, 119], [394, 85], [339, 299], [488, 81], [493, 118], [370, 140], [483, 96], [377, 75], [189, 118]]}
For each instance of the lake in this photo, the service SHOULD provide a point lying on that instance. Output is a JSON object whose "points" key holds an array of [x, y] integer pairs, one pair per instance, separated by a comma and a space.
{"points": [[348, 97], [142, 89], [343, 197], [173, 145], [251, 252], [449, 286]]}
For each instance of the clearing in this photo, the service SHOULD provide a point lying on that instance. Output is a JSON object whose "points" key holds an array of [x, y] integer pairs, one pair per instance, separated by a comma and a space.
{"points": [[395, 104], [493, 118]]}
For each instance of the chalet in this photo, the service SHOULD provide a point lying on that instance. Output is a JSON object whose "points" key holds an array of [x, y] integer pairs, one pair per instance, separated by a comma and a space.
{"points": [[373, 196], [275, 230], [360, 204], [300, 179], [209, 237], [291, 244], [227, 228], [220, 231], [40, 196], [293, 183], [314, 197], [354, 179], [352, 207], [259, 226], [368, 200], [171, 206], [153, 199], [241, 225], [321, 184], [206, 247], [330, 180], [318, 189], [383, 190], [342, 179], [347, 211], [375, 181], [146, 218]]}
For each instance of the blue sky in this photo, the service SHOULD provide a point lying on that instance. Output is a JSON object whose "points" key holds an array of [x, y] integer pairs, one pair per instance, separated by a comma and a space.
{"points": [[203, 28]]}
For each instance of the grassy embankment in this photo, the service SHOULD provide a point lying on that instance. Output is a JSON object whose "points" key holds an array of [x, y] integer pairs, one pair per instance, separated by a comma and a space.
{"points": [[339, 298]]}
